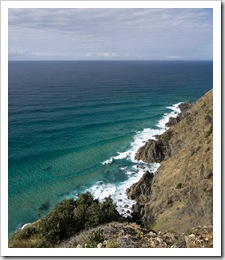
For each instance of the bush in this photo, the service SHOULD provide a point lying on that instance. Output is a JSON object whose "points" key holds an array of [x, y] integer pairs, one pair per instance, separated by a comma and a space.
{"points": [[87, 216], [108, 211], [70, 217], [85, 199], [58, 224], [67, 218], [90, 213]]}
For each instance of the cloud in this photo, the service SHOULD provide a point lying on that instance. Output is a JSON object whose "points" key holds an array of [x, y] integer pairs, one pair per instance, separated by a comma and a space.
{"points": [[111, 33], [112, 55], [172, 57]]}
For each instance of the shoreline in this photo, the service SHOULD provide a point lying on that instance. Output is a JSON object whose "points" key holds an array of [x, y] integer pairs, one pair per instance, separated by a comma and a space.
{"points": [[176, 202], [180, 195], [118, 193]]}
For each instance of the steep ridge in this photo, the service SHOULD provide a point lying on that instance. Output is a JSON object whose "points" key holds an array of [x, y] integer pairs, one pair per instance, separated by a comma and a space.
{"points": [[180, 195]]}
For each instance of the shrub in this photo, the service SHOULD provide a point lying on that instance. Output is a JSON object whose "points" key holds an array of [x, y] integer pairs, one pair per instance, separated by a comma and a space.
{"points": [[58, 224], [87, 216], [112, 244], [85, 199], [90, 213], [67, 218], [108, 211]]}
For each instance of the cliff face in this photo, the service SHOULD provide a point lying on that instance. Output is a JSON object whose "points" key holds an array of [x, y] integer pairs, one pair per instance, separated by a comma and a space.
{"points": [[181, 193]]}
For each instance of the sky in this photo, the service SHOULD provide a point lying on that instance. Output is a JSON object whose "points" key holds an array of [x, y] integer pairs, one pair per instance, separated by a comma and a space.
{"points": [[110, 34]]}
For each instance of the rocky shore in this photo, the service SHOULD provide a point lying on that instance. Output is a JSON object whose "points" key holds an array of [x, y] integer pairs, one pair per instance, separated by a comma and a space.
{"points": [[174, 206], [181, 193]]}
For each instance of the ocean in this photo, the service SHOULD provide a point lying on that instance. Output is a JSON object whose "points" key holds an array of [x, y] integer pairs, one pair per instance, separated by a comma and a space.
{"points": [[76, 125]]}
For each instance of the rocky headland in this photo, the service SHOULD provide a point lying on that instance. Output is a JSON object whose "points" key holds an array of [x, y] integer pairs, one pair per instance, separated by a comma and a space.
{"points": [[181, 193], [174, 206]]}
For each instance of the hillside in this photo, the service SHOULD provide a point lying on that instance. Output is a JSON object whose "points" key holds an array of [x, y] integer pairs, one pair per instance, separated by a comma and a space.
{"points": [[181, 194]]}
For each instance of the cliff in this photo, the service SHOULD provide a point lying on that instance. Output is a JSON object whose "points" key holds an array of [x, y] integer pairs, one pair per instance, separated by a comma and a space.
{"points": [[181, 193]]}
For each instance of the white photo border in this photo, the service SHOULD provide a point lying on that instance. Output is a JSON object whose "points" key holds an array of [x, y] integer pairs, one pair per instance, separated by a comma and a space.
{"points": [[217, 142]]}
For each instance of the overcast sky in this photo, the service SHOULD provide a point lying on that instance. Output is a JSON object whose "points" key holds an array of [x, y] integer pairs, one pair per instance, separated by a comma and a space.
{"points": [[112, 34]]}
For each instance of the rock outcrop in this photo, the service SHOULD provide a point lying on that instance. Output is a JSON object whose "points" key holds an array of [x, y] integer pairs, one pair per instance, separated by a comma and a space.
{"points": [[131, 235], [165, 145], [141, 187], [140, 191], [182, 189], [183, 108]]}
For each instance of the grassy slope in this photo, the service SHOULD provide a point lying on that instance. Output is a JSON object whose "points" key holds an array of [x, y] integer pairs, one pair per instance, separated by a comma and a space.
{"points": [[182, 190]]}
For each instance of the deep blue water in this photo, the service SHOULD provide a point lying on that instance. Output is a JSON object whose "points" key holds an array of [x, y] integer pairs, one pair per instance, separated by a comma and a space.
{"points": [[67, 117]]}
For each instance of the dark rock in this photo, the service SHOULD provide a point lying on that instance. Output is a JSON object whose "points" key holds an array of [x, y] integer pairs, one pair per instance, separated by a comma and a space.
{"points": [[127, 190], [141, 187], [137, 207], [173, 120], [170, 202], [152, 151], [156, 150], [185, 106]]}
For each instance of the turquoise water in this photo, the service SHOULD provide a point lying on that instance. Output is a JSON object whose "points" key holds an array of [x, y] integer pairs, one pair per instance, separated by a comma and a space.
{"points": [[75, 125]]}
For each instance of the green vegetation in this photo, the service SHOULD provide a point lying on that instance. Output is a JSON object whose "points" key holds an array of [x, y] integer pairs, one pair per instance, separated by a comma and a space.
{"points": [[94, 239], [27, 238], [190, 232], [140, 234], [172, 230], [58, 224], [112, 244], [155, 225], [68, 218]]}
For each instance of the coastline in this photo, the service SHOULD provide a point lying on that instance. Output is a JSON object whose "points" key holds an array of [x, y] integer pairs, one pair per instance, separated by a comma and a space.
{"points": [[58, 148], [100, 190], [181, 195], [166, 207]]}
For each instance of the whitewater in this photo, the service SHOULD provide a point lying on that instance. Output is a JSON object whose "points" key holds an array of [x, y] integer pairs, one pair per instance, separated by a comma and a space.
{"points": [[118, 192]]}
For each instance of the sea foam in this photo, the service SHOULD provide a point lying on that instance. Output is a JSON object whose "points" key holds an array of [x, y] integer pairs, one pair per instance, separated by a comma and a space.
{"points": [[118, 192], [142, 136], [102, 190]]}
